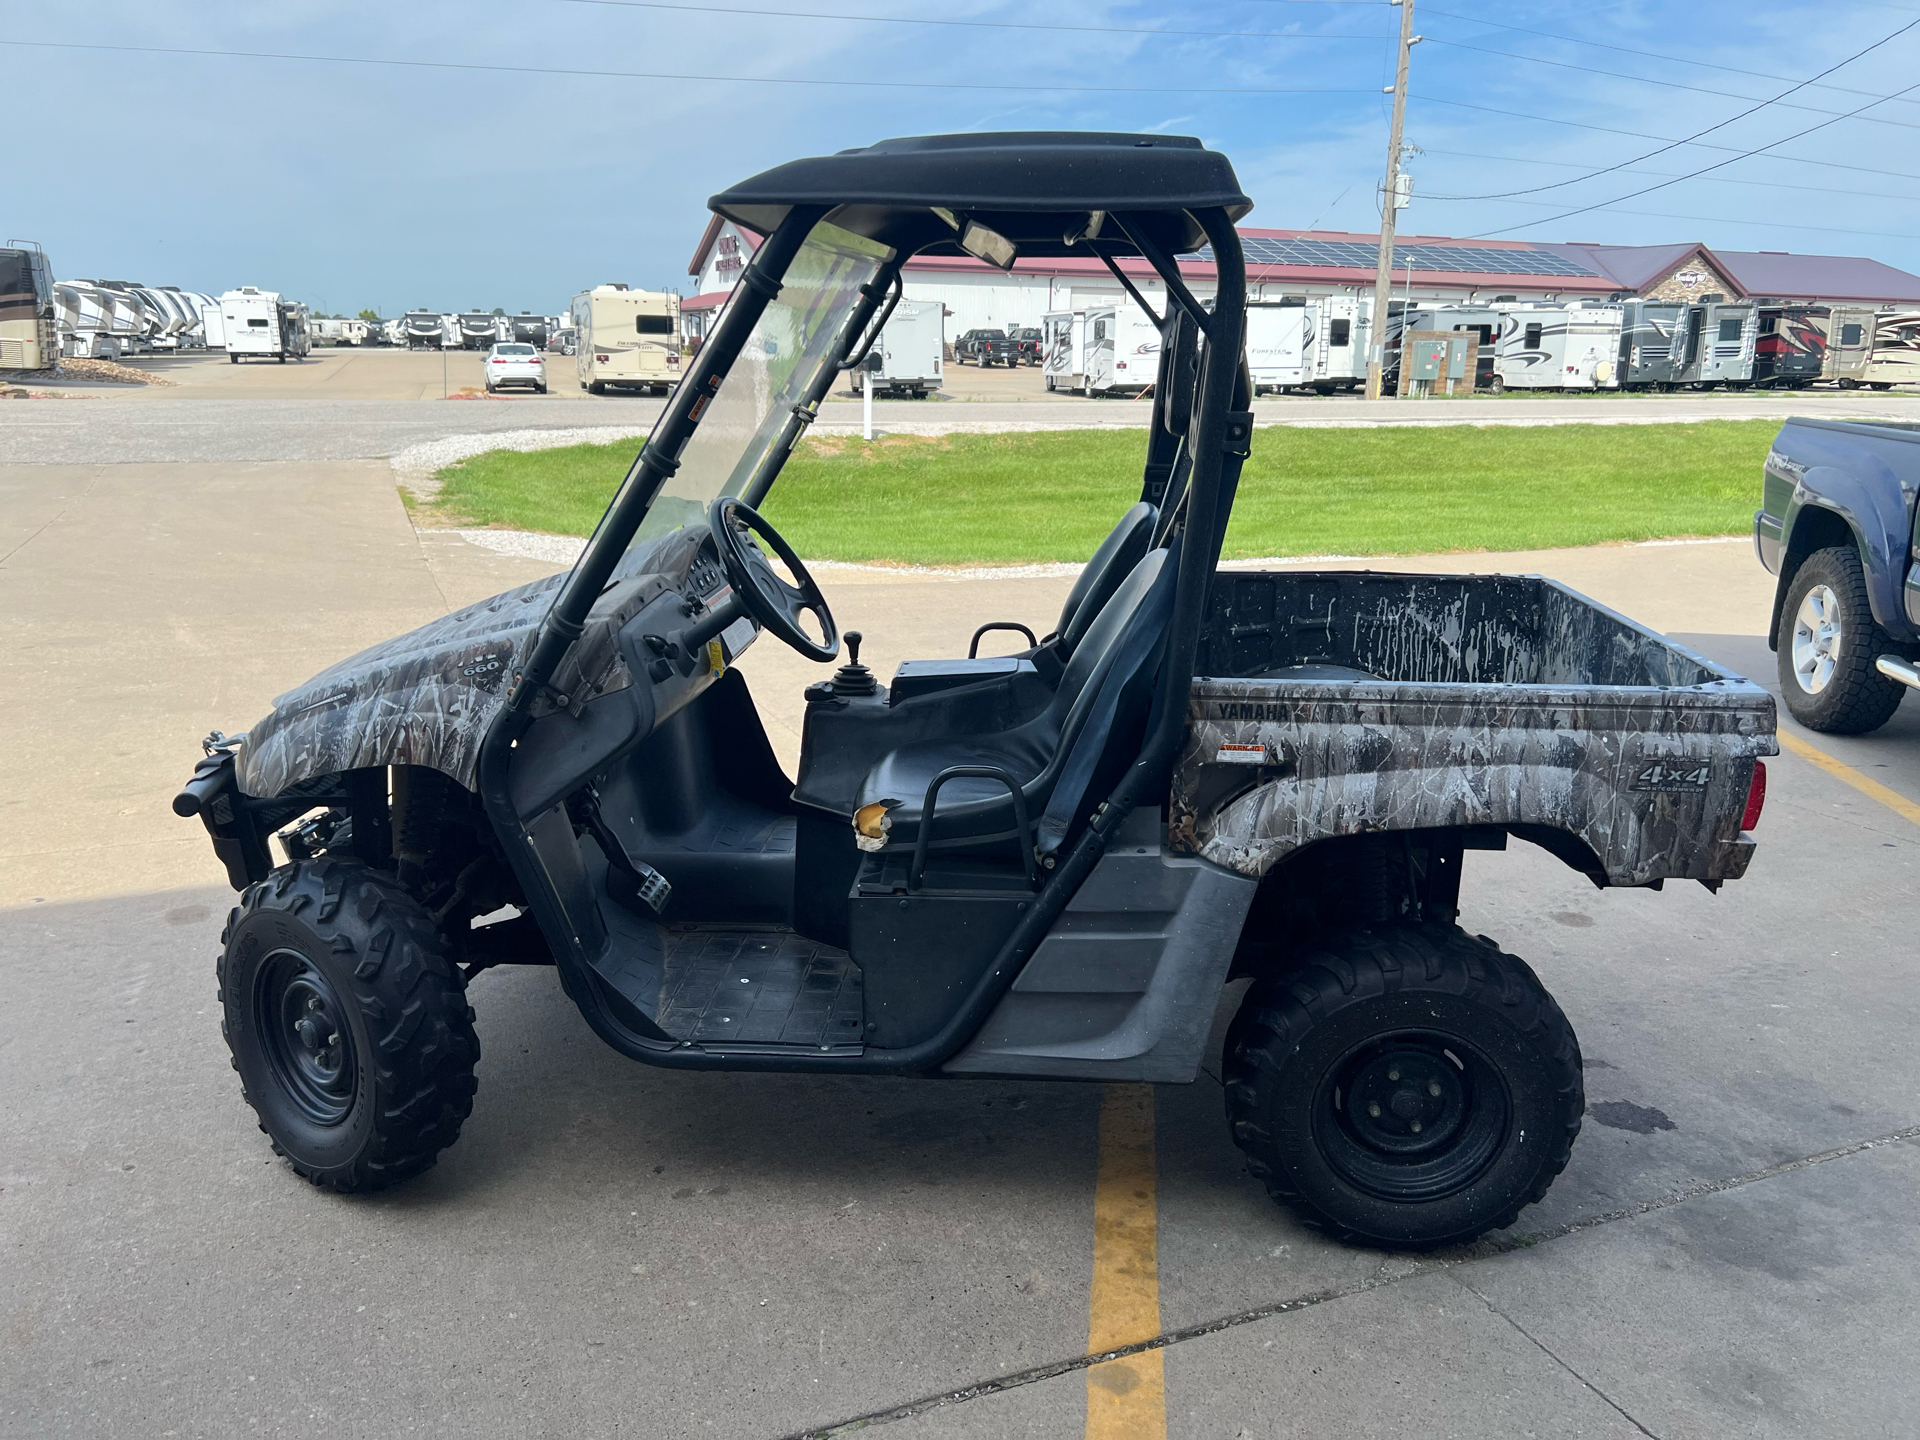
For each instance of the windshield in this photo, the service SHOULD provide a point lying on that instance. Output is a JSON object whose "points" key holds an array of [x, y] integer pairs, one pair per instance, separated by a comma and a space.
{"points": [[796, 335]]}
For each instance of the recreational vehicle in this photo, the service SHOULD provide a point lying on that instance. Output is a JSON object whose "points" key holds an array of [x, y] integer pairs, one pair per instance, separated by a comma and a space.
{"points": [[1063, 337], [213, 329], [260, 322], [83, 314], [1279, 344], [628, 339], [1896, 350], [1552, 347], [1652, 336], [29, 333], [906, 359], [423, 330], [1719, 345], [1849, 345], [1790, 348], [527, 329], [1341, 334], [478, 331], [1118, 352]]}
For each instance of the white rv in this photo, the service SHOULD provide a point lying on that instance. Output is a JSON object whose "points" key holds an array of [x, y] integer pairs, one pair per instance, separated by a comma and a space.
{"points": [[628, 339], [1553, 347], [260, 322], [1110, 350], [1340, 340], [906, 359], [1896, 350], [1279, 344], [84, 314], [1063, 337]]}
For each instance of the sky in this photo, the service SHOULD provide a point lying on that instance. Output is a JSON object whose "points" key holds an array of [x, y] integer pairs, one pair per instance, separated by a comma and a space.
{"points": [[493, 166]]}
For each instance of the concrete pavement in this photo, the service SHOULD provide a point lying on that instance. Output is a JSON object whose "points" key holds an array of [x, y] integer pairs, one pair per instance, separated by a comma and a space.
{"points": [[611, 1249]]}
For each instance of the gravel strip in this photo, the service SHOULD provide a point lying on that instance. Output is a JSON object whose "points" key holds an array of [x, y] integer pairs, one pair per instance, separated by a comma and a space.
{"points": [[416, 465]]}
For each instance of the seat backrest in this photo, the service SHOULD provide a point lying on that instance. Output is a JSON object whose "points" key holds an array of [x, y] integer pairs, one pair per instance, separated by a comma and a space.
{"points": [[1110, 565], [1094, 656]]}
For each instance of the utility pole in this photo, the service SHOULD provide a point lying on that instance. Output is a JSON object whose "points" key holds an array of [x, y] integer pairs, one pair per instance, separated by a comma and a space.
{"points": [[1389, 211]]}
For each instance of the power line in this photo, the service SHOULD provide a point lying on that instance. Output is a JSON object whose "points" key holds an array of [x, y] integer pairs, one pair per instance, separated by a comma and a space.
{"points": [[1719, 125], [967, 24], [1622, 75], [660, 75], [1768, 223], [1630, 50], [1716, 180], [1664, 184], [1642, 135]]}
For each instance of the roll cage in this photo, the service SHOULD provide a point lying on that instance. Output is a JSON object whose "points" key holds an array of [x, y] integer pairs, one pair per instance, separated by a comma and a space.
{"points": [[999, 198]]}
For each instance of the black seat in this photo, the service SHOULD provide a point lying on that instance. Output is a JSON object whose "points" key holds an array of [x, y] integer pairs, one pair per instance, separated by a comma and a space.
{"points": [[1103, 685], [1104, 574], [1101, 576]]}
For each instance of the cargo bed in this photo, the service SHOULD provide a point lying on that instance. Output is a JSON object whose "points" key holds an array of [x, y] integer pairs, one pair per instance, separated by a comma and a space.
{"points": [[1347, 703]]}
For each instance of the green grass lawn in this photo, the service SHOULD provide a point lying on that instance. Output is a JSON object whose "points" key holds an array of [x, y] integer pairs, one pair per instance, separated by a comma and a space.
{"points": [[971, 499]]}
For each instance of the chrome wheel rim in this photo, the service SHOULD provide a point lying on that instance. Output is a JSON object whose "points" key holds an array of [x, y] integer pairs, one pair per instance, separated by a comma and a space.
{"points": [[1816, 639]]}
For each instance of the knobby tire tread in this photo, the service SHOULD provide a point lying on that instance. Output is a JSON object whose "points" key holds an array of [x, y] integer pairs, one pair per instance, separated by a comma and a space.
{"points": [[413, 997]]}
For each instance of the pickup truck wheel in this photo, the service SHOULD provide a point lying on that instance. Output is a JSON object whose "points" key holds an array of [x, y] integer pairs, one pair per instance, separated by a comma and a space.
{"points": [[348, 1023], [1826, 646], [1409, 1086]]}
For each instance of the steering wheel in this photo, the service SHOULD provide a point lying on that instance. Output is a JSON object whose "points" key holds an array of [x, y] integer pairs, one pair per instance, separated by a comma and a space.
{"points": [[777, 605]]}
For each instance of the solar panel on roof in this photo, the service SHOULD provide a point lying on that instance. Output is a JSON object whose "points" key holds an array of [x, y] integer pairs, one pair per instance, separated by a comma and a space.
{"points": [[1358, 255]]}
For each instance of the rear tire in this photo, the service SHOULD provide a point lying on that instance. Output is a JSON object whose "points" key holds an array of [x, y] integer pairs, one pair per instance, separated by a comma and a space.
{"points": [[1497, 386], [348, 1023], [1469, 1073], [1826, 646]]}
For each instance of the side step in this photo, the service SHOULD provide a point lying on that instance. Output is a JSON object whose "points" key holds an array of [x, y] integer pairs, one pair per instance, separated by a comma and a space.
{"points": [[1894, 668]]}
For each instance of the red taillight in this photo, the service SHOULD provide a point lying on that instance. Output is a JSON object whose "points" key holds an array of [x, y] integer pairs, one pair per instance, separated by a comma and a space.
{"points": [[1756, 796]]}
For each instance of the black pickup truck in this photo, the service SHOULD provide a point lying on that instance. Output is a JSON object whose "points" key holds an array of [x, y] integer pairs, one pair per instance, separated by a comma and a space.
{"points": [[986, 347], [1837, 524]]}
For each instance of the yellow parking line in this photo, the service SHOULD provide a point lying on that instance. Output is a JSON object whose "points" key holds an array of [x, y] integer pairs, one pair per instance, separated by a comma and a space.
{"points": [[1873, 789], [1126, 1398]]}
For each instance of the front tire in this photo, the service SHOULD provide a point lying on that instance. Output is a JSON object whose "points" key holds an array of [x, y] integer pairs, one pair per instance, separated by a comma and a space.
{"points": [[1408, 1086], [348, 1023], [1826, 646]]}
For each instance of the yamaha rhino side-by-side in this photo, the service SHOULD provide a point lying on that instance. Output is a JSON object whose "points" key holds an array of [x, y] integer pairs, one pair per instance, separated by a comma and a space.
{"points": [[1048, 864]]}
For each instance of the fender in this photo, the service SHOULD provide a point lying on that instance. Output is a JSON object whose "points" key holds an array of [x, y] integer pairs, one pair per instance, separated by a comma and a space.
{"points": [[1851, 481]]}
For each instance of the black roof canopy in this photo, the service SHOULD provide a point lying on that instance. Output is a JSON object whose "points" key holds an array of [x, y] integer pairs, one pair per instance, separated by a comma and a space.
{"points": [[1034, 187]]}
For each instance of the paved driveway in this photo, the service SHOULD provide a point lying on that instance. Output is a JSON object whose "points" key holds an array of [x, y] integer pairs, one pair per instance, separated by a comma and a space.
{"points": [[617, 1250]]}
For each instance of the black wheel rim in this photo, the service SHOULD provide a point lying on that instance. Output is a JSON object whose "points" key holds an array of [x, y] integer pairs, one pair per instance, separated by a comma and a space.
{"points": [[304, 1033], [1412, 1116]]}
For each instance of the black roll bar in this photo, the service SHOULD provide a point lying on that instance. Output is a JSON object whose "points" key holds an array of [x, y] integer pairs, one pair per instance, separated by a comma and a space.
{"points": [[918, 869]]}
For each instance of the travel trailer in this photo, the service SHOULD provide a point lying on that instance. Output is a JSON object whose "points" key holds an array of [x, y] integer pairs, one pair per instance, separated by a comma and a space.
{"points": [[906, 359], [1341, 334], [1719, 345], [1790, 346], [83, 315], [1063, 336], [423, 330], [628, 339], [213, 329], [528, 329], [1554, 347], [29, 331], [1896, 350], [479, 331], [1652, 335], [1849, 345], [1115, 350], [260, 322], [1279, 344]]}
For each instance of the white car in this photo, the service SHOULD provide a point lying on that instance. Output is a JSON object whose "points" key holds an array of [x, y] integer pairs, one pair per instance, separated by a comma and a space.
{"points": [[516, 365]]}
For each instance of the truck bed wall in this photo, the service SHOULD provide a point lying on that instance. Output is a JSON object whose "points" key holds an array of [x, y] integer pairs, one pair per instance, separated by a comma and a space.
{"points": [[1504, 701]]}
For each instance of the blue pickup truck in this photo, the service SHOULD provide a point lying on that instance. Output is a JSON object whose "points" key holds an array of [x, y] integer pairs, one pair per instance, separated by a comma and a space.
{"points": [[1837, 525]]}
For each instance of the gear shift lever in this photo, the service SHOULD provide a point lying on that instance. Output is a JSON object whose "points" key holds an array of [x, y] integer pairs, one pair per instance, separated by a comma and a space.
{"points": [[853, 678]]}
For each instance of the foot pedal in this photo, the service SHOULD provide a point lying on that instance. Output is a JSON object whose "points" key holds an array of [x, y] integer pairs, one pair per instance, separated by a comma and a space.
{"points": [[651, 886]]}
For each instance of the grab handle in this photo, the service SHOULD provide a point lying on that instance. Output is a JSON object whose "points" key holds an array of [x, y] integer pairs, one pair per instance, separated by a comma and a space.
{"points": [[983, 772]]}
